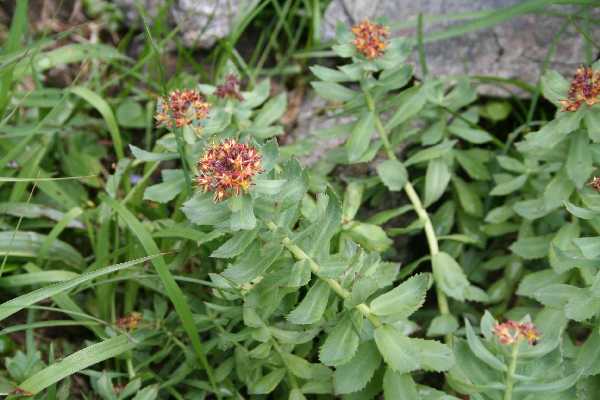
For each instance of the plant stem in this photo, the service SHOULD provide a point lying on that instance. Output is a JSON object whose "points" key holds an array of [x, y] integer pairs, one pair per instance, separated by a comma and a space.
{"points": [[511, 371], [315, 268], [417, 204], [184, 161]]}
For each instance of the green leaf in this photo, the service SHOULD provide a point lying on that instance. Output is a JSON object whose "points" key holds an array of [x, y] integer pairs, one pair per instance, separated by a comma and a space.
{"points": [[147, 393], [551, 133], [360, 136], [235, 245], [579, 160], [449, 276], [173, 183], [430, 153], [329, 74], [268, 187], [242, 216], [271, 111], [397, 350], [29, 245], [531, 248], [592, 123], [531, 209], [267, 383], [333, 91], [589, 246], [144, 155], [510, 186], [311, 308], [395, 78], [341, 343], [511, 164], [80, 360], [36, 278], [297, 365], [557, 385], [355, 374], [581, 212], [472, 135], [442, 325], [202, 210], [130, 114], [254, 262], [371, 236], [403, 300], [104, 109], [411, 101], [393, 174], [558, 190], [433, 355], [397, 386], [473, 166], [469, 200], [436, 180], [554, 87], [480, 351]]}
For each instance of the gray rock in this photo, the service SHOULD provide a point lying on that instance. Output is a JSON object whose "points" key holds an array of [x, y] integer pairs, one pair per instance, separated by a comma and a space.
{"points": [[515, 48], [201, 22]]}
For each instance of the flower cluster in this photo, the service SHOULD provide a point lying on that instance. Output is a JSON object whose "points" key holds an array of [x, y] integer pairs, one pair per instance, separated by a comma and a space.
{"points": [[510, 332], [595, 183], [585, 88], [227, 169], [370, 39], [230, 89], [129, 322], [181, 108]]}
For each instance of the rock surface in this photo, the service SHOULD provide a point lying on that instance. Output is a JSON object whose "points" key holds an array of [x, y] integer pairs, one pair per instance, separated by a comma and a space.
{"points": [[515, 48], [201, 22]]}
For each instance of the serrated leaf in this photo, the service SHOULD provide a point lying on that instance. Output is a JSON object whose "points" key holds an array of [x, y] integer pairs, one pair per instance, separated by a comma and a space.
{"points": [[531, 248], [403, 300], [442, 325], [592, 123], [579, 160], [340, 345], [397, 350], [433, 355], [311, 308], [554, 87], [235, 245], [202, 210], [355, 374]]}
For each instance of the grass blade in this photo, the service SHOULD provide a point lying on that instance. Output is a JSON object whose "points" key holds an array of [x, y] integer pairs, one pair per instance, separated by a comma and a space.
{"points": [[15, 305], [80, 360], [173, 290]]}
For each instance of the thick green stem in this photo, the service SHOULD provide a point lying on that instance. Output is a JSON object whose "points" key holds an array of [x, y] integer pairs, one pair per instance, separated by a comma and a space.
{"points": [[300, 255], [510, 375], [415, 201], [184, 161]]}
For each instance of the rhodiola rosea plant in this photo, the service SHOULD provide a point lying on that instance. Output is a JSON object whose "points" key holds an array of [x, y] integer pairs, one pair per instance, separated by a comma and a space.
{"points": [[286, 282]]}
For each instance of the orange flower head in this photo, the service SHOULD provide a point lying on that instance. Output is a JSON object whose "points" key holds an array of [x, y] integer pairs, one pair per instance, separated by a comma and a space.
{"points": [[595, 183], [511, 332], [585, 88], [227, 169], [130, 322], [181, 108], [370, 39], [230, 89]]}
